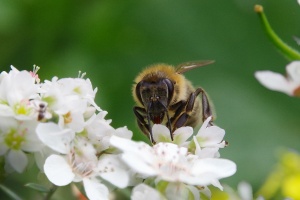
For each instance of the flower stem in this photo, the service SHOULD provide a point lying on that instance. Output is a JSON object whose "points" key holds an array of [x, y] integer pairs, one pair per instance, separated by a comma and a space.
{"points": [[51, 192], [286, 50]]}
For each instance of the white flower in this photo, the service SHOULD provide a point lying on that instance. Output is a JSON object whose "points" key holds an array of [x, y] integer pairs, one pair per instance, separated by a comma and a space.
{"points": [[17, 88], [244, 192], [60, 92], [71, 99], [168, 162], [17, 138], [82, 164], [99, 131], [289, 85], [145, 192], [208, 140]]}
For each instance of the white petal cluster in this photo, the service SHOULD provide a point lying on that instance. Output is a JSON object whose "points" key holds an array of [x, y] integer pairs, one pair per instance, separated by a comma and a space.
{"points": [[182, 164], [78, 135], [19, 93], [59, 123], [289, 84]]}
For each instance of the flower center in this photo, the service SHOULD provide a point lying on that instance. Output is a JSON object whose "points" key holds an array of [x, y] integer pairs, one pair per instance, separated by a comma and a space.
{"points": [[77, 90], [22, 108], [81, 166], [14, 140], [68, 118]]}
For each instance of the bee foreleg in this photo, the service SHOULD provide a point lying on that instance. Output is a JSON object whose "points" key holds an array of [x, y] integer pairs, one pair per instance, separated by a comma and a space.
{"points": [[206, 109], [180, 117], [185, 108], [141, 114]]}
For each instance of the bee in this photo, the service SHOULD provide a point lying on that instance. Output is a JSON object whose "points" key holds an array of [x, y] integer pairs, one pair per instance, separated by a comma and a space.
{"points": [[41, 110], [164, 96]]}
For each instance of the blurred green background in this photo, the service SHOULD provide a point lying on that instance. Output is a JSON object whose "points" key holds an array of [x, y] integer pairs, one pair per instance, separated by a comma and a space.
{"points": [[112, 41]]}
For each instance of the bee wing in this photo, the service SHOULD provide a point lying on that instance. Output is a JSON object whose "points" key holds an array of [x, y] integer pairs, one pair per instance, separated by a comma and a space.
{"points": [[183, 67]]}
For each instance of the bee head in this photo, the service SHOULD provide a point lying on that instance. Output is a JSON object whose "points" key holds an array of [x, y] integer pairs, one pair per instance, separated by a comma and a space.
{"points": [[156, 97]]}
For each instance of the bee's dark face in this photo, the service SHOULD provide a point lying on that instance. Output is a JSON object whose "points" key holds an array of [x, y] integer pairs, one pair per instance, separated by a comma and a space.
{"points": [[155, 96]]}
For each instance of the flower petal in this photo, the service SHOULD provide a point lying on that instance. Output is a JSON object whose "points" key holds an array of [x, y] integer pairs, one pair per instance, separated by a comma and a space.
{"points": [[211, 137], [245, 190], [182, 134], [145, 192], [293, 71], [55, 137], [18, 160], [58, 171], [177, 191], [204, 125], [139, 165], [95, 190], [141, 149], [112, 171], [124, 132], [161, 133], [275, 81], [208, 170]]}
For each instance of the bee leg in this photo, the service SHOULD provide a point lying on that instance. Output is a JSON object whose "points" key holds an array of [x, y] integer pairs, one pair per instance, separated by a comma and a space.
{"points": [[184, 108], [179, 109], [206, 109], [141, 114]]}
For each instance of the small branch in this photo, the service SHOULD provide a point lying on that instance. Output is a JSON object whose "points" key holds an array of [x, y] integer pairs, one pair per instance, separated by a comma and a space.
{"points": [[286, 50]]}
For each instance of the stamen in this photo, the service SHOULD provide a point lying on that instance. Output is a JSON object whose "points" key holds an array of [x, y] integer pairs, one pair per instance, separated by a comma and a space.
{"points": [[81, 75], [34, 73]]}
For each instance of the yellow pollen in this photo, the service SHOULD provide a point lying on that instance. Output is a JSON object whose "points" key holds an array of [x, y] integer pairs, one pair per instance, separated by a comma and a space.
{"points": [[68, 118]]}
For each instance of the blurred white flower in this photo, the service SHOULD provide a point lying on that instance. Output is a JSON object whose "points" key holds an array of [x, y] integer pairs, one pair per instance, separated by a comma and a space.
{"points": [[289, 85], [244, 192], [145, 192], [167, 161]]}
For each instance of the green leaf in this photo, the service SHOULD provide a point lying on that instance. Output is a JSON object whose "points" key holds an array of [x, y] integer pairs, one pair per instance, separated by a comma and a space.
{"points": [[37, 187], [9, 192]]}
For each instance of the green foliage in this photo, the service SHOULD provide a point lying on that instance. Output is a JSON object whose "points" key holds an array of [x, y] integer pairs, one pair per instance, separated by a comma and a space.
{"points": [[10, 193], [113, 40]]}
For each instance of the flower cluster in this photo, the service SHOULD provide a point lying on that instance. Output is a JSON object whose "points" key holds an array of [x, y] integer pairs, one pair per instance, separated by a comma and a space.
{"points": [[19, 110], [59, 123], [181, 169]]}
